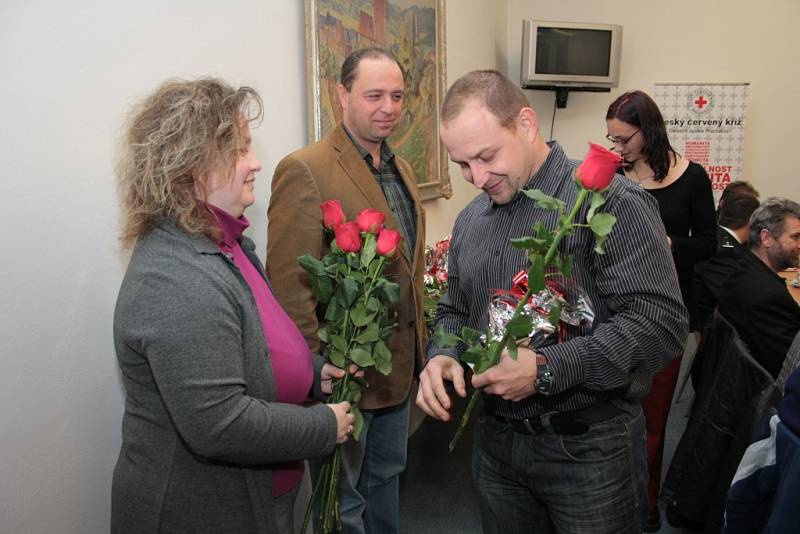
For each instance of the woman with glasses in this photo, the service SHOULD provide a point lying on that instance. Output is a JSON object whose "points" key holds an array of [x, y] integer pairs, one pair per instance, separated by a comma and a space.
{"points": [[686, 204]]}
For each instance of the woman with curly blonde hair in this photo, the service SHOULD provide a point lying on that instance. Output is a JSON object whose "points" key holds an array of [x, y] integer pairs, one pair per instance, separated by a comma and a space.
{"points": [[215, 372]]}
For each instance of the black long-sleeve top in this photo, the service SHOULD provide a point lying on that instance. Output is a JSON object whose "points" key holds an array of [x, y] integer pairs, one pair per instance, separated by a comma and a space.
{"points": [[687, 210]]}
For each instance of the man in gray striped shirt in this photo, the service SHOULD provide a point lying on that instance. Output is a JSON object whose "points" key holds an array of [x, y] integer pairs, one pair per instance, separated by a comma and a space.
{"points": [[560, 444]]}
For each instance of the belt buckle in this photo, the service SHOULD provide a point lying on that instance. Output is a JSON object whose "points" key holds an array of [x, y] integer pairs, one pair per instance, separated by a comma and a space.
{"points": [[528, 426], [539, 424]]}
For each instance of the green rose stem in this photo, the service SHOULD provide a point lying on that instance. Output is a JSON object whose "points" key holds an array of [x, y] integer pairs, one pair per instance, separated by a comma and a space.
{"points": [[329, 510], [564, 226], [330, 504], [368, 293]]}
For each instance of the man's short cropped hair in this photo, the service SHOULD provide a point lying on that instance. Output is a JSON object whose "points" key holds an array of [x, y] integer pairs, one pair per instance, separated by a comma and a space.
{"points": [[739, 187], [349, 70], [502, 97], [736, 211]]}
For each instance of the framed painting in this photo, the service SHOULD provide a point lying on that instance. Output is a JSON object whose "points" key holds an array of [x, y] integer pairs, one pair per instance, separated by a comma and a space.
{"points": [[414, 31]]}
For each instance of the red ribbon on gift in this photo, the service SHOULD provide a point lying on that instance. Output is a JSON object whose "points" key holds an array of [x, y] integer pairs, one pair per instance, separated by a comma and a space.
{"points": [[518, 289], [520, 284]]}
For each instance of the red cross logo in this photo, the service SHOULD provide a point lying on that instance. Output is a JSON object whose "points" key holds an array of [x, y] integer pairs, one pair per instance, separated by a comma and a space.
{"points": [[700, 102]]}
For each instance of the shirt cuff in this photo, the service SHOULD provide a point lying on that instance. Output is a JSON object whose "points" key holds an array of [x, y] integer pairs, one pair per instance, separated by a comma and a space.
{"points": [[565, 366], [435, 351]]}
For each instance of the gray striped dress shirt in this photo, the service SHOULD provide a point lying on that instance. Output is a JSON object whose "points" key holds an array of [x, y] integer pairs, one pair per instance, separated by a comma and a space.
{"points": [[640, 321]]}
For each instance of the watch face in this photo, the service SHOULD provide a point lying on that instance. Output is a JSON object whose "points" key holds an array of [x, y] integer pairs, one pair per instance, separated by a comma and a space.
{"points": [[543, 386], [544, 380]]}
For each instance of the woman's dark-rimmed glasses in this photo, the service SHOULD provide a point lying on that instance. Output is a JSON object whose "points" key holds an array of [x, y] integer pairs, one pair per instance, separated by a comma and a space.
{"points": [[620, 140]]}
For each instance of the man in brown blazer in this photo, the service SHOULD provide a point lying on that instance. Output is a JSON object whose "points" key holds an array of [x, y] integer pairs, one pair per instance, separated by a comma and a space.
{"points": [[355, 165]]}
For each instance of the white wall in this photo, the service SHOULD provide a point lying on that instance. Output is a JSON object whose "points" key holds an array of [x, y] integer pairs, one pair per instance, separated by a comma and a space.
{"points": [[69, 72], [687, 41]]}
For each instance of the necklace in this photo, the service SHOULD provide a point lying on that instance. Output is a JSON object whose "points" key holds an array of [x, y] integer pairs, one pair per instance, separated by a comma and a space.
{"points": [[638, 179]]}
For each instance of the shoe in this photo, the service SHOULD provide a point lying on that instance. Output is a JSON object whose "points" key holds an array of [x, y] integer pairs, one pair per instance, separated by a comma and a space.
{"points": [[653, 523], [678, 520]]}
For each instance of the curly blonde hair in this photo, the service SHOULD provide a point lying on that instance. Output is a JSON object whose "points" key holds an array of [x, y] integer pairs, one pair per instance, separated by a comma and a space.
{"points": [[174, 138]]}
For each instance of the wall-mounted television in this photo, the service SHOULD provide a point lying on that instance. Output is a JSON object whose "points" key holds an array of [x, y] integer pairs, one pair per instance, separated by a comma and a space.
{"points": [[570, 54]]}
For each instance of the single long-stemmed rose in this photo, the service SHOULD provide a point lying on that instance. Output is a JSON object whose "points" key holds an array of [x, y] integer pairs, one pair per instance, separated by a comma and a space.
{"points": [[593, 176], [350, 284]]}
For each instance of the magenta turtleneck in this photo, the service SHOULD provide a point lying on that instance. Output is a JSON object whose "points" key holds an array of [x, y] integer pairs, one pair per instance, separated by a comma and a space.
{"points": [[292, 367]]}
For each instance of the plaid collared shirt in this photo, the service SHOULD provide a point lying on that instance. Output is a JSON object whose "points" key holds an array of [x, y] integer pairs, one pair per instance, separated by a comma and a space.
{"points": [[394, 190]]}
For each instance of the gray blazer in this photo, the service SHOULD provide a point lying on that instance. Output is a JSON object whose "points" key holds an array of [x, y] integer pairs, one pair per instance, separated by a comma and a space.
{"points": [[201, 427]]}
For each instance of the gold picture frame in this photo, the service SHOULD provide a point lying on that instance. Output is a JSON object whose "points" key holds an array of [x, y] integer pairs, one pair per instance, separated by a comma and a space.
{"points": [[334, 28]]}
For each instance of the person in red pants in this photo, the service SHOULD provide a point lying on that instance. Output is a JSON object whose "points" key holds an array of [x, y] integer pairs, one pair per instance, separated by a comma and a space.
{"points": [[656, 410]]}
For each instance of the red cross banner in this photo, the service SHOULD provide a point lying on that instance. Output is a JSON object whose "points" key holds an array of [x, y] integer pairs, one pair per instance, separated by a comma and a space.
{"points": [[705, 123]]}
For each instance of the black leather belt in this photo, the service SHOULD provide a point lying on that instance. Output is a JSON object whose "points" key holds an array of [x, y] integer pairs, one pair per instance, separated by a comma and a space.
{"points": [[572, 423]]}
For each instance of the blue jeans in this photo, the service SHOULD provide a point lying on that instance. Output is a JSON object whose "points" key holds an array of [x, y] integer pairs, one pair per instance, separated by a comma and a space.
{"points": [[549, 483], [369, 487]]}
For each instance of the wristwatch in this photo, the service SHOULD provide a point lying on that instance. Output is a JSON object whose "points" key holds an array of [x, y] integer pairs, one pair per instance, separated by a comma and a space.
{"points": [[544, 377]]}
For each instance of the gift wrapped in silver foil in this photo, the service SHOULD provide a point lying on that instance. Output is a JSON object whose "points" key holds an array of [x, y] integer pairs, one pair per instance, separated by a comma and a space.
{"points": [[574, 305]]}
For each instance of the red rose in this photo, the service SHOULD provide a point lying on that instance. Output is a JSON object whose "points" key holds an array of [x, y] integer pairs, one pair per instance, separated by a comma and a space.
{"points": [[348, 237], [332, 214], [369, 220], [598, 168], [388, 241]]}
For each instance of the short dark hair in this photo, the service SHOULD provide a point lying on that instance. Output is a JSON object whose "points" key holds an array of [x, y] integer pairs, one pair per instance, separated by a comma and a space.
{"points": [[736, 211], [738, 187], [638, 109], [502, 97], [771, 215], [349, 70]]}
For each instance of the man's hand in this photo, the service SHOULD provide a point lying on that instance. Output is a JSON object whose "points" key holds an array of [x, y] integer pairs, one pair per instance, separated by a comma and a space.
{"points": [[432, 396], [329, 372], [510, 379]]}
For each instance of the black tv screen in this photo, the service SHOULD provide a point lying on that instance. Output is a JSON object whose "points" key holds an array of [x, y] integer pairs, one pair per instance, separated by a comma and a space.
{"points": [[572, 51]]}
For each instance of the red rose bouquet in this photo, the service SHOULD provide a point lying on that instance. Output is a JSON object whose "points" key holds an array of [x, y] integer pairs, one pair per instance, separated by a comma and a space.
{"points": [[592, 177], [357, 297]]}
